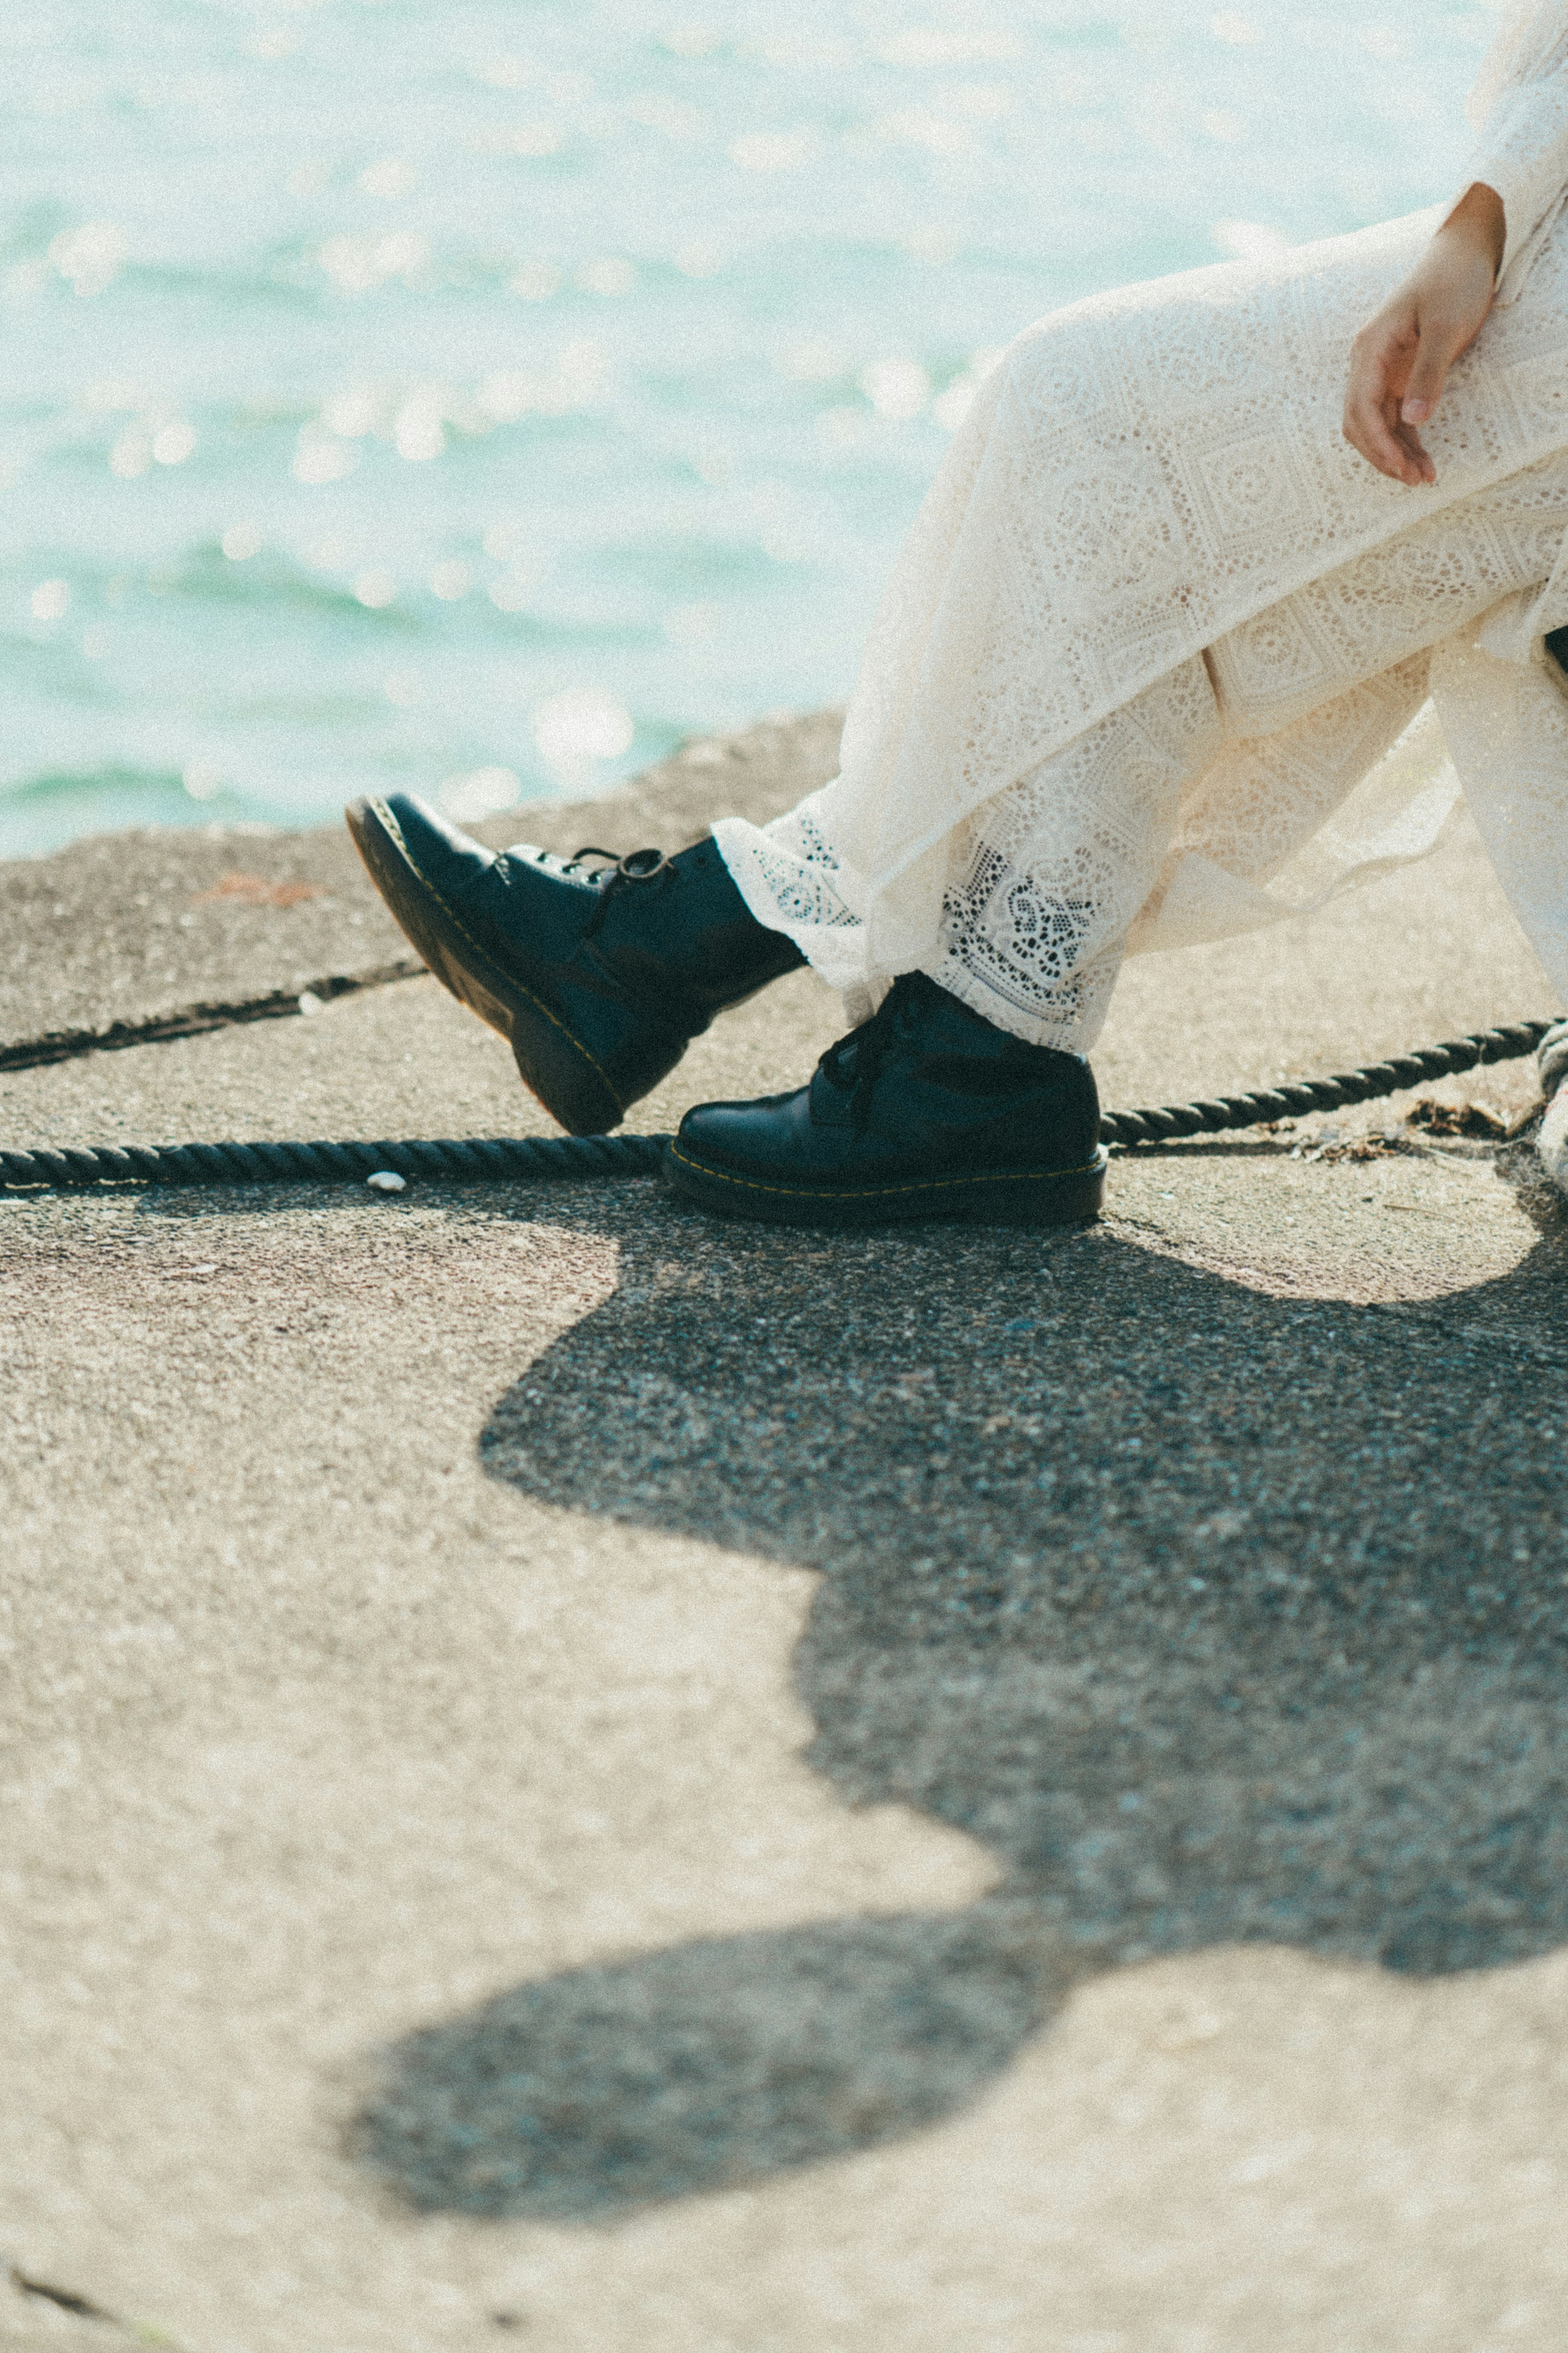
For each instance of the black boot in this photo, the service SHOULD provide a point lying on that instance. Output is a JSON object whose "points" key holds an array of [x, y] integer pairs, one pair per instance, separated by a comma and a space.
{"points": [[598, 971], [925, 1111]]}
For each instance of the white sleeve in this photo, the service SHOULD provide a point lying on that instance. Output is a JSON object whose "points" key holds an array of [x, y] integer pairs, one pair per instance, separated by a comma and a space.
{"points": [[1520, 104]]}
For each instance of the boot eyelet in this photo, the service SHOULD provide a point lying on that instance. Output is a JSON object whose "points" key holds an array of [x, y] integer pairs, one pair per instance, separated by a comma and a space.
{"points": [[632, 871]]}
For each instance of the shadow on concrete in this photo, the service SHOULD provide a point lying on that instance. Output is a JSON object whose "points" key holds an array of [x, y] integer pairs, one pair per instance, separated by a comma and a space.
{"points": [[1217, 1616]]}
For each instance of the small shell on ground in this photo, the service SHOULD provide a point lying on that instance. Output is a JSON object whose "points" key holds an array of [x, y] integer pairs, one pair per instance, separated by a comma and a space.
{"points": [[385, 1180], [1551, 1059], [1553, 1141]]}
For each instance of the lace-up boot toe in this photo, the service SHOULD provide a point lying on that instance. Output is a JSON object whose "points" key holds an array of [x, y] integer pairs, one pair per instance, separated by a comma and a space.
{"points": [[926, 1111], [598, 971]]}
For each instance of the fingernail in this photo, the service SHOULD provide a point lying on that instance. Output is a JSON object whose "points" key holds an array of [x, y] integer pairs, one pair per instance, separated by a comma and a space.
{"points": [[1416, 412]]}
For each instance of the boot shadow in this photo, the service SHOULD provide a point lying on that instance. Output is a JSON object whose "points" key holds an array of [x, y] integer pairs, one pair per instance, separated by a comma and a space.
{"points": [[1217, 1616]]}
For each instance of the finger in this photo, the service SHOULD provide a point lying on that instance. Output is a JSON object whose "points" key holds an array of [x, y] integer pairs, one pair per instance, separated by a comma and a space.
{"points": [[1418, 465], [1429, 372], [1411, 442], [1366, 429], [1380, 361], [1398, 358], [1370, 429]]}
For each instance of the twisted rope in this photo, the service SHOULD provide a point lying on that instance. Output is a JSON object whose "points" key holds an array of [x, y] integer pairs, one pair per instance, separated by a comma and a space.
{"points": [[1288, 1102], [481, 1157], [591, 1156]]}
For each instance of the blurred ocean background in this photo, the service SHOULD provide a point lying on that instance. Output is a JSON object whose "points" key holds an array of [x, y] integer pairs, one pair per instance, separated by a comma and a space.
{"points": [[477, 398]]}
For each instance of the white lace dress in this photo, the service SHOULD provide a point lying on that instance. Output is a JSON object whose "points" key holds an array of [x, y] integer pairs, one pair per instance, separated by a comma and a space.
{"points": [[1163, 659]]}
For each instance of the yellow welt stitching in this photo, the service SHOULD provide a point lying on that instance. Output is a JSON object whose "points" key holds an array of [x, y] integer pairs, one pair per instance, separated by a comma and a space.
{"points": [[884, 1192], [457, 922]]}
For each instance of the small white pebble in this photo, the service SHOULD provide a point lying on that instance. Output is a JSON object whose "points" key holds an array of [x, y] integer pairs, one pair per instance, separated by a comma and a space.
{"points": [[385, 1180], [310, 1002]]}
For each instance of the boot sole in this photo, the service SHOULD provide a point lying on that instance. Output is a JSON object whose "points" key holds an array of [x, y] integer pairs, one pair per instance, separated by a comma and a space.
{"points": [[555, 1065], [1003, 1197]]}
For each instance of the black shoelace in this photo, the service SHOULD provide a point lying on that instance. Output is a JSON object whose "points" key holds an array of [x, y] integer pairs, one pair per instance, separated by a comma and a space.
{"points": [[852, 1063], [636, 866]]}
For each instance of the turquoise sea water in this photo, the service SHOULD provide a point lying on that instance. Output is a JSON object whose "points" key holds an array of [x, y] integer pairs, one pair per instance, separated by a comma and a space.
{"points": [[477, 398]]}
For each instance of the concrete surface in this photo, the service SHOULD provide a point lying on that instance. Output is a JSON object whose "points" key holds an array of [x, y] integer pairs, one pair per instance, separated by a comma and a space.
{"points": [[577, 1777]]}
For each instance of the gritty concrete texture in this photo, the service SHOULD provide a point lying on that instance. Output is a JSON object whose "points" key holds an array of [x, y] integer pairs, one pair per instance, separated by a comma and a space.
{"points": [[580, 1776]]}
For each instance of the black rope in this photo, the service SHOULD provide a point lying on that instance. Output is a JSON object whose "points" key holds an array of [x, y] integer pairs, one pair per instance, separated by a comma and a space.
{"points": [[1298, 1095], [483, 1158], [486, 1159]]}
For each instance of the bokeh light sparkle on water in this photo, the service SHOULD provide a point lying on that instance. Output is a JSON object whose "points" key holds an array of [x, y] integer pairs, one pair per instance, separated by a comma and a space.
{"points": [[477, 399]]}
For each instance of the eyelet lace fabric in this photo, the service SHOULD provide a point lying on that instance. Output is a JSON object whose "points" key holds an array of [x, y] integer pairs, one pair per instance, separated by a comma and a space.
{"points": [[1163, 659]]}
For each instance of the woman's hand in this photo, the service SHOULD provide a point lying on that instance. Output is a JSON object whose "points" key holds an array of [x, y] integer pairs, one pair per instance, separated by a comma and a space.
{"points": [[1401, 359]]}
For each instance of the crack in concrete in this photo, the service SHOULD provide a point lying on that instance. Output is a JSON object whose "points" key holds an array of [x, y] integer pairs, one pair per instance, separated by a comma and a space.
{"points": [[66, 2298], [192, 1020], [82, 2307]]}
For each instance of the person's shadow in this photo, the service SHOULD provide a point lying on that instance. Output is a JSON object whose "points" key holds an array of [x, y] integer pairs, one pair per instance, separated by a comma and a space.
{"points": [[1216, 1616]]}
